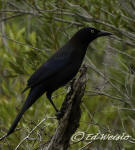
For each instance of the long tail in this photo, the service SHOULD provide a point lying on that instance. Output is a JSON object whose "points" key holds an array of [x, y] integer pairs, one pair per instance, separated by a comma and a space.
{"points": [[34, 94]]}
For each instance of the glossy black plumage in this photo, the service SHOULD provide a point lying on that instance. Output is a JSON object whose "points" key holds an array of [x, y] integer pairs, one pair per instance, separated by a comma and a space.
{"points": [[58, 70]]}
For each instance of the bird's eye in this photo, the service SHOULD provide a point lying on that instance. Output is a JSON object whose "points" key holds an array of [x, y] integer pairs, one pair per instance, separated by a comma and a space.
{"points": [[92, 31]]}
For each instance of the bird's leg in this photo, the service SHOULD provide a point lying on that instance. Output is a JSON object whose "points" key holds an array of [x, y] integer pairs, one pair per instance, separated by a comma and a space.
{"points": [[59, 114], [50, 99]]}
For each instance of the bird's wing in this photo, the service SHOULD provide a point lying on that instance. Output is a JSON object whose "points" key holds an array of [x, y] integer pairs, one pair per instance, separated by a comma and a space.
{"points": [[50, 68]]}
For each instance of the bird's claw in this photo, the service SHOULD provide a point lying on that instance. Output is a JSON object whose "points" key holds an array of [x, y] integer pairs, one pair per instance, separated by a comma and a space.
{"points": [[59, 115]]}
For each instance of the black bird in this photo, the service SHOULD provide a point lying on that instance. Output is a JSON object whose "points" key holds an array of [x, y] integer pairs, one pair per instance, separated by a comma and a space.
{"points": [[58, 70]]}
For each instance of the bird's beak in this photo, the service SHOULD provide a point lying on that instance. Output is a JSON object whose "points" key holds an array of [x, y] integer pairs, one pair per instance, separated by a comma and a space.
{"points": [[104, 33]]}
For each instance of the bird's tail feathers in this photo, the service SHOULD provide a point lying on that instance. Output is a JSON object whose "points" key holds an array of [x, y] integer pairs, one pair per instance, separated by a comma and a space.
{"points": [[19, 116], [26, 105], [13, 126], [32, 97]]}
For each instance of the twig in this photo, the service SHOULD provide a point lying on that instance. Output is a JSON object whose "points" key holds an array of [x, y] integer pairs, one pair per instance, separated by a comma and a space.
{"points": [[20, 43], [105, 94], [28, 136], [67, 21], [103, 76], [11, 17]]}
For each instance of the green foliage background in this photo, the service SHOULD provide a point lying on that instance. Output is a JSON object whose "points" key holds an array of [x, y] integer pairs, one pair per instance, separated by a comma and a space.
{"points": [[31, 31]]}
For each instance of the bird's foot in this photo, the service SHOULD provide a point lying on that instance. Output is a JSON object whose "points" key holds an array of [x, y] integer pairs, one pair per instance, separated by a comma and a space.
{"points": [[59, 115]]}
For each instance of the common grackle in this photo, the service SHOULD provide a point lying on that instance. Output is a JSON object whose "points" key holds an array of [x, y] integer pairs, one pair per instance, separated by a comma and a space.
{"points": [[58, 70]]}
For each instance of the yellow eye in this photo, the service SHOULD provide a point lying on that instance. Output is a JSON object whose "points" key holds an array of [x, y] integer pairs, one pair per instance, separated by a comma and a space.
{"points": [[92, 31]]}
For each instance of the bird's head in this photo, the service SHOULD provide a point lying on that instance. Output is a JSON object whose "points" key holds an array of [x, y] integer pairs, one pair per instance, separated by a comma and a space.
{"points": [[88, 34]]}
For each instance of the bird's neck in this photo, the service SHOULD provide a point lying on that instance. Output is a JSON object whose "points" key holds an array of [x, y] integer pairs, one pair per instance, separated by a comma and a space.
{"points": [[78, 49], [80, 42], [79, 46]]}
